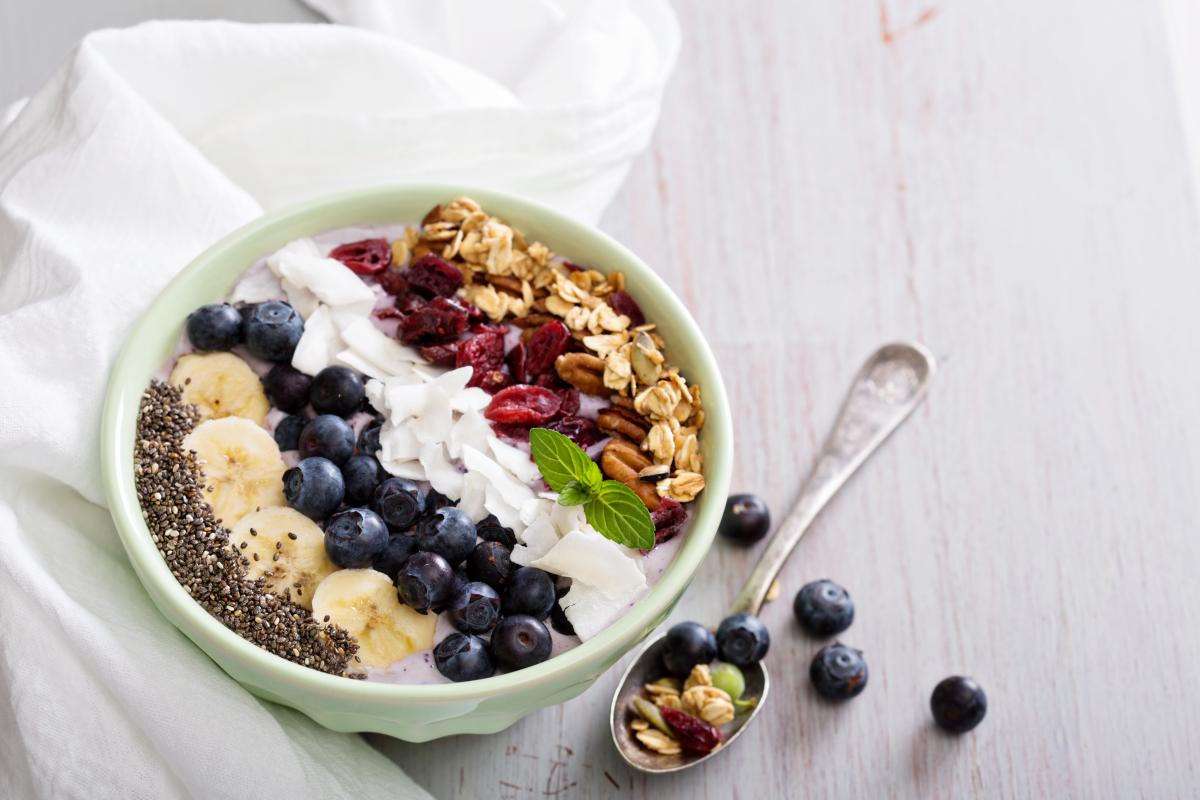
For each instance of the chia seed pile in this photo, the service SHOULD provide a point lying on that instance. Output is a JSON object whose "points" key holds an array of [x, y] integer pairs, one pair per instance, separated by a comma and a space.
{"points": [[196, 548]]}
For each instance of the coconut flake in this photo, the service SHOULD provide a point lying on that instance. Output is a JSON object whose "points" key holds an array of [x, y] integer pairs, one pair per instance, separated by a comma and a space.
{"points": [[474, 496], [302, 263], [590, 610], [299, 298], [514, 459], [588, 557], [513, 492], [470, 399], [389, 356], [471, 430], [318, 345], [258, 285], [537, 539], [413, 470], [440, 471], [397, 443]]}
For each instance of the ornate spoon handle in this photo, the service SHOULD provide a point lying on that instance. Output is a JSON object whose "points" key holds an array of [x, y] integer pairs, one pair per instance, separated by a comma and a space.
{"points": [[886, 390]]}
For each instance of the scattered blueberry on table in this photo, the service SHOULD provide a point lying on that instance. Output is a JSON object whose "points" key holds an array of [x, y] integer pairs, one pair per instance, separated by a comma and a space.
{"points": [[838, 672], [746, 519], [823, 608], [958, 704]]}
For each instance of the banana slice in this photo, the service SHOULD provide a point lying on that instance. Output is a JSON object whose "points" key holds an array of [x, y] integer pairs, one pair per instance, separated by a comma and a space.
{"points": [[241, 465], [285, 548], [364, 602], [221, 385]]}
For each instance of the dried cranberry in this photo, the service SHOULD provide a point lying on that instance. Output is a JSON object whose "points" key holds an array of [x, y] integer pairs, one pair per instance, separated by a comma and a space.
{"points": [[442, 355], [484, 327], [516, 362], [523, 405], [388, 313], [513, 434], [366, 257], [623, 303], [573, 267], [491, 381], [439, 322], [392, 280], [550, 380], [668, 520], [407, 302], [430, 277], [546, 344], [694, 735], [579, 430], [484, 352], [570, 402]]}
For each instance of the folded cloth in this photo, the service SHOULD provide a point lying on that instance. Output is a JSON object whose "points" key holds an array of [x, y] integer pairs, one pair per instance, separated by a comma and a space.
{"points": [[148, 145]]}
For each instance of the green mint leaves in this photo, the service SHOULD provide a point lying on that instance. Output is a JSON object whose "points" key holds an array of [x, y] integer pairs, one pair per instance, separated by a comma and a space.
{"points": [[611, 507]]}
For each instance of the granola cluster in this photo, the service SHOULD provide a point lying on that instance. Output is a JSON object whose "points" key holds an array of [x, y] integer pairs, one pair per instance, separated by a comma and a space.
{"points": [[655, 416], [696, 697]]}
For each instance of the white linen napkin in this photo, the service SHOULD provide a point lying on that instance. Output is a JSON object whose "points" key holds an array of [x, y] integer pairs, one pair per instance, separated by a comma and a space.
{"points": [[148, 145]]}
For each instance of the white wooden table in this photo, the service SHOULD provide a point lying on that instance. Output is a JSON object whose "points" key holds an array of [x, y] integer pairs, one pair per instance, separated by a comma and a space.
{"points": [[1007, 182]]}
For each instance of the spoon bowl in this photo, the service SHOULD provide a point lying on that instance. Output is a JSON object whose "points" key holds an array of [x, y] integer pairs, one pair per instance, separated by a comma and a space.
{"points": [[886, 390]]}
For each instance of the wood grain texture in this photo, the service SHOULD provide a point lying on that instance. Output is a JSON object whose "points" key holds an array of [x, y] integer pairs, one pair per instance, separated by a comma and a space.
{"points": [[1008, 183]]}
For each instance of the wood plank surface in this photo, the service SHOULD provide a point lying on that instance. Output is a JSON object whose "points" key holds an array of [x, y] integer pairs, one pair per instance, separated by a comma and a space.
{"points": [[1007, 182]]}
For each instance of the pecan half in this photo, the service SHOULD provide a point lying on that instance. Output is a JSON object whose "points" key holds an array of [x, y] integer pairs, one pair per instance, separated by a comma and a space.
{"points": [[583, 371], [621, 461], [623, 422], [506, 283]]}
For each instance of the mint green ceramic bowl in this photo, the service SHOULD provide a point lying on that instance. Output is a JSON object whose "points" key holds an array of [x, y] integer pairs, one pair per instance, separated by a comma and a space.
{"points": [[414, 713]]}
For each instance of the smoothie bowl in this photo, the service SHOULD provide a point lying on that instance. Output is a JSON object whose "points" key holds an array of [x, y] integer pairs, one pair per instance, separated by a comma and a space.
{"points": [[416, 460]]}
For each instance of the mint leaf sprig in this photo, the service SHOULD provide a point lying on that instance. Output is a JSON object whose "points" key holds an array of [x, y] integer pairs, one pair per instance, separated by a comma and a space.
{"points": [[610, 506]]}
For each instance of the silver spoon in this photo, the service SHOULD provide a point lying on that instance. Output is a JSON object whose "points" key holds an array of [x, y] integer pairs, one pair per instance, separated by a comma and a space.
{"points": [[886, 390]]}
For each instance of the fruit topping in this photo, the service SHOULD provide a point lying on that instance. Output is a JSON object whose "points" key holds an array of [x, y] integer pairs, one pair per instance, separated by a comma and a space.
{"points": [[361, 475], [398, 502], [462, 657], [217, 326], [287, 432], [220, 385], [272, 331], [440, 321], [397, 550], [746, 519], [668, 520], [545, 345], [364, 603], [241, 466], [490, 563], [430, 277], [337, 390], [520, 641], [474, 608], [484, 353], [490, 530], [523, 405], [368, 439], [623, 303], [579, 430], [441, 355], [695, 735], [516, 362], [742, 639], [284, 548], [367, 257], [529, 591], [328, 436], [314, 487], [449, 532], [406, 303], [287, 387], [958, 704], [823, 608], [355, 538], [425, 581], [838, 672], [686, 645]]}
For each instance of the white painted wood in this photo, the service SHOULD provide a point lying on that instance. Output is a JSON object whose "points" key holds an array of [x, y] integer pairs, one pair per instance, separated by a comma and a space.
{"points": [[1007, 182]]}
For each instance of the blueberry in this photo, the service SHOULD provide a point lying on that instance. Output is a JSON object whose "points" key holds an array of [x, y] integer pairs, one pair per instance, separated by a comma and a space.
{"points": [[474, 608], [337, 390], [214, 327], [287, 432], [435, 500], [314, 487], [958, 704], [520, 641], [686, 645], [460, 657], [272, 330], [362, 475], [398, 501], [529, 591], [558, 617], [368, 438], [329, 437], [746, 519], [397, 550], [354, 538], [838, 672], [490, 530], [489, 562], [742, 639], [823, 608], [449, 532], [287, 388], [425, 581]]}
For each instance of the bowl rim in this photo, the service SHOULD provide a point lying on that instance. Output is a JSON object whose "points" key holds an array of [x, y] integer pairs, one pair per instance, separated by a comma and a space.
{"points": [[118, 423]]}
